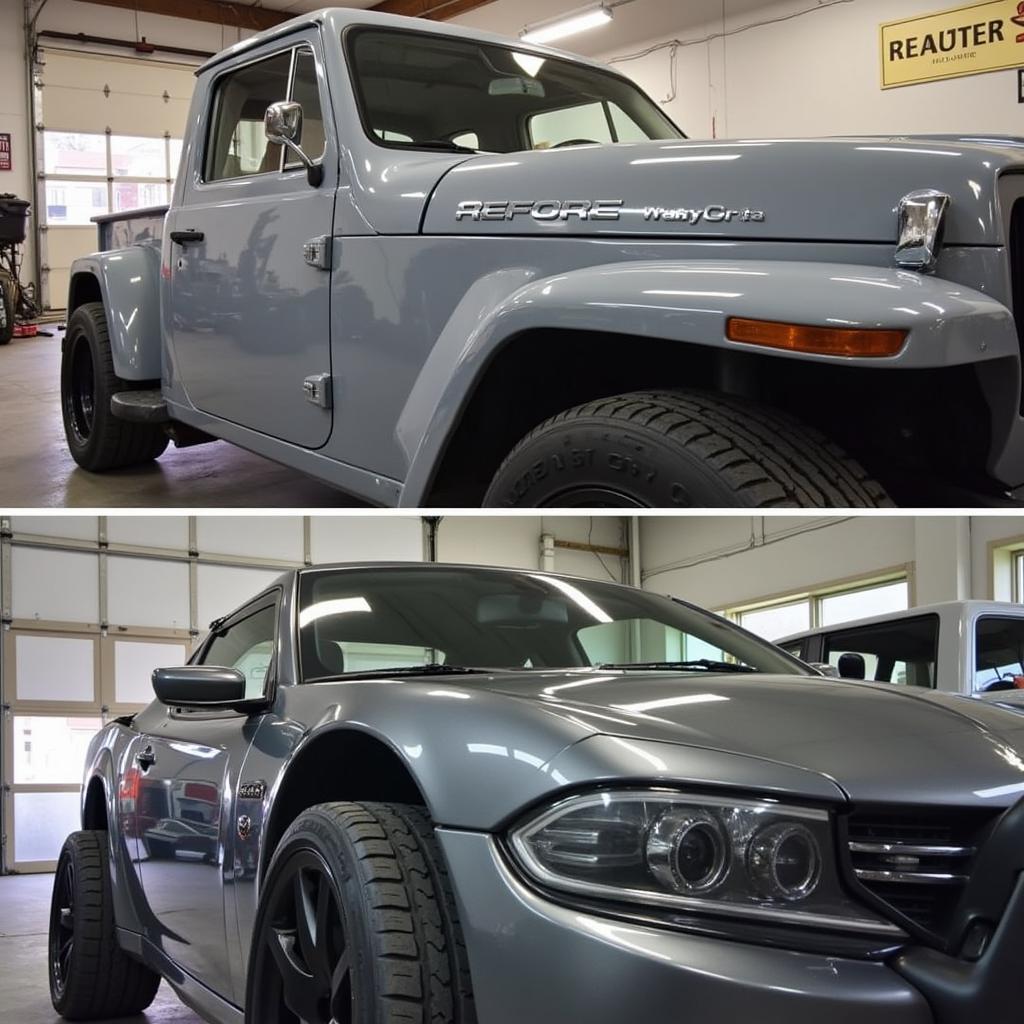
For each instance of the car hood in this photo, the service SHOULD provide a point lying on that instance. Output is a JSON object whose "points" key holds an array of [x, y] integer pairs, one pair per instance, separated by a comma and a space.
{"points": [[877, 742], [751, 189]]}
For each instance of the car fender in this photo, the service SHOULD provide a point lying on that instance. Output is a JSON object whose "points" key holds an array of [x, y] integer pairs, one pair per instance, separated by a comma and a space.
{"points": [[129, 287], [690, 301], [107, 760]]}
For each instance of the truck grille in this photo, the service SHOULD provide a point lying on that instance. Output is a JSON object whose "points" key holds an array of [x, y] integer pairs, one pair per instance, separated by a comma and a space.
{"points": [[916, 862]]}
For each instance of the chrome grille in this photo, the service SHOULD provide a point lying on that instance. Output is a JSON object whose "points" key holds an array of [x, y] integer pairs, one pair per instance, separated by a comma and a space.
{"points": [[916, 862]]}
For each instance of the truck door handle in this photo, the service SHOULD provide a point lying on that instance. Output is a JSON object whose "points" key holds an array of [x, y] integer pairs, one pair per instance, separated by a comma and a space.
{"points": [[145, 759], [184, 237]]}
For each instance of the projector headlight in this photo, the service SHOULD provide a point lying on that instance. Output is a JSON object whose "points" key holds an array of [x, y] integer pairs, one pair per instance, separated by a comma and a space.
{"points": [[719, 856]]}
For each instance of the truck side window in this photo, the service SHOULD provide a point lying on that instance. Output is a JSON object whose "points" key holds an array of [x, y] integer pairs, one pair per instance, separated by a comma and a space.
{"points": [[589, 121], [247, 645], [902, 652], [998, 654], [237, 145], [306, 92]]}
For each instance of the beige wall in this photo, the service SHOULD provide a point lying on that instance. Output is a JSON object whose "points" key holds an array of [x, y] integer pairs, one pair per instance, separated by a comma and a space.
{"points": [[14, 106]]}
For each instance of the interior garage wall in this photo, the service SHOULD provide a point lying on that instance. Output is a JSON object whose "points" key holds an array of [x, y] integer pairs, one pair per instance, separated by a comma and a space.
{"points": [[814, 74], [813, 71], [14, 110], [729, 561]]}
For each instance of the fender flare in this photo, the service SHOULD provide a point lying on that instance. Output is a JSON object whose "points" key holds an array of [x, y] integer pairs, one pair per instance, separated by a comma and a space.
{"points": [[689, 301], [129, 286]]}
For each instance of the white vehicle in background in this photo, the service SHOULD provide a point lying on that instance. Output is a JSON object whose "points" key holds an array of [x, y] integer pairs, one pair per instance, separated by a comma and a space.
{"points": [[967, 647]]}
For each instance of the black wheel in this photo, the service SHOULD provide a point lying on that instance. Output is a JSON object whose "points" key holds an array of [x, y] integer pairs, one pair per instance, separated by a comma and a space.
{"points": [[680, 449], [97, 439], [91, 977], [7, 307], [357, 924]]}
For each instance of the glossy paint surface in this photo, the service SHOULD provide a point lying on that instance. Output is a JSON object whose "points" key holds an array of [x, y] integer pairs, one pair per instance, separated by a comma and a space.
{"points": [[482, 750], [245, 318], [418, 303]]}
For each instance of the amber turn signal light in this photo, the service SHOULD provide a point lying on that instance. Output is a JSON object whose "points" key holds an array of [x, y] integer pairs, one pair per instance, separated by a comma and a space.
{"points": [[821, 341]]}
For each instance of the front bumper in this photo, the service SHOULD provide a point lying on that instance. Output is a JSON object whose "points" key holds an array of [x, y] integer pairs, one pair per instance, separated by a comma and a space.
{"points": [[533, 960]]}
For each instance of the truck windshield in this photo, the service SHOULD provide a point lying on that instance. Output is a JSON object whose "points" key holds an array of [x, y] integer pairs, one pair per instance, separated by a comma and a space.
{"points": [[435, 92], [447, 618]]}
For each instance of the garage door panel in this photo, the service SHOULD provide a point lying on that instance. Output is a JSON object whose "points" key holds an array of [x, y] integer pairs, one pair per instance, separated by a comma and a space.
{"points": [[50, 669], [55, 586], [83, 92]]}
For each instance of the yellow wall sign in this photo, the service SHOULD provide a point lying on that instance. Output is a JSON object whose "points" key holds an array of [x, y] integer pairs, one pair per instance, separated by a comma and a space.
{"points": [[964, 41]]}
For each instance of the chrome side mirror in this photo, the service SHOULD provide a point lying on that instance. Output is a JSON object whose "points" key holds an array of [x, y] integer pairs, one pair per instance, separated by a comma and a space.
{"points": [[282, 124]]}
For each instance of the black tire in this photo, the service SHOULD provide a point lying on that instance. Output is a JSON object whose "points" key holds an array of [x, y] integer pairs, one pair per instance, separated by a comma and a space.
{"points": [[7, 307], [379, 939], [679, 449], [91, 977], [97, 439]]}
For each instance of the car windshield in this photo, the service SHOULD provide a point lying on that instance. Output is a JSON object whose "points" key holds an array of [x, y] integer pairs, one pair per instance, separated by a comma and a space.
{"points": [[443, 619], [424, 91]]}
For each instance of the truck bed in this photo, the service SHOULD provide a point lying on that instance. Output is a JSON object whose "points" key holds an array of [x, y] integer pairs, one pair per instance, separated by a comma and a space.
{"points": [[130, 227]]}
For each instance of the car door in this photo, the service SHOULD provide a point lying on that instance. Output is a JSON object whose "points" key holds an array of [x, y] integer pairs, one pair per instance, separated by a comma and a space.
{"points": [[189, 764], [249, 316]]}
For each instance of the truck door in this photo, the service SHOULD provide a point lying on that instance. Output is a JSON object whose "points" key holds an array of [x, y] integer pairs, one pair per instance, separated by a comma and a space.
{"points": [[248, 321], [189, 764]]}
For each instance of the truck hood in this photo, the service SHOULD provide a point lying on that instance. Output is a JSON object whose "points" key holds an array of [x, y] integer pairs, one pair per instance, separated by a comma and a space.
{"points": [[877, 742], [844, 190]]}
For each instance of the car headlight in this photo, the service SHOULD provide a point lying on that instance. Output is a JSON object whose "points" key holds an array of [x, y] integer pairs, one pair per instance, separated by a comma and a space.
{"points": [[712, 855]]}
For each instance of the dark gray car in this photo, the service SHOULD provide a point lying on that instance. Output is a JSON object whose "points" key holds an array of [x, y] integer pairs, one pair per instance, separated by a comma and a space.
{"points": [[433, 266], [446, 793]]}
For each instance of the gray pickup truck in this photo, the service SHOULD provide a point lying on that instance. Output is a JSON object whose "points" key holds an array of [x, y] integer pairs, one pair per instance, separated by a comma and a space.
{"points": [[450, 794], [436, 267]]}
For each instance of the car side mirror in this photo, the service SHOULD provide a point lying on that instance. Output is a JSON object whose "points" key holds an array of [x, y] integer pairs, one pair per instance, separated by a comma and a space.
{"points": [[202, 686], [282, 124]]}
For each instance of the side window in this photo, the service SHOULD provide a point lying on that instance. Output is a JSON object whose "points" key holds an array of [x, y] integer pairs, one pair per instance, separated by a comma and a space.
{"points": [[306, 92], [903, 652], [237, 145], [247, 645], [999, 654]]}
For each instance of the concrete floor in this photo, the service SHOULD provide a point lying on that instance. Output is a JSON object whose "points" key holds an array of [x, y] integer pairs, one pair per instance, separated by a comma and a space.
{"points": [[36, 469], [24, 990]]}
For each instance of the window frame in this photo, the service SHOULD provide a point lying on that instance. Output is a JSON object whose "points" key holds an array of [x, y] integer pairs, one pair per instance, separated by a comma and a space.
{"points": [[815, 595], [213, 111], [267, 599], [827, 632], [984, 616]]}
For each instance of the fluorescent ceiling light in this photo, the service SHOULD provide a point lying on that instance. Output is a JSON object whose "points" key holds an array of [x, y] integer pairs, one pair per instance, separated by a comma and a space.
{"points": [[568, 25]]}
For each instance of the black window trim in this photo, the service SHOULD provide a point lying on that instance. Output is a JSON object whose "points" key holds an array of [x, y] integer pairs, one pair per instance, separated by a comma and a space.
{"points": [[351, 32], [270, 598], [826, 637]]}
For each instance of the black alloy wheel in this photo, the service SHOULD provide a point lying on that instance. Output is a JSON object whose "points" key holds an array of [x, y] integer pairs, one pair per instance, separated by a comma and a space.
{"points": [[303, 961], [62, 926]]}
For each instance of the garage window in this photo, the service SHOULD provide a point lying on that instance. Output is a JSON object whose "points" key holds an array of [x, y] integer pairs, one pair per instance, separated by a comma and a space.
{"points": [[825, 607], [89, 174]]}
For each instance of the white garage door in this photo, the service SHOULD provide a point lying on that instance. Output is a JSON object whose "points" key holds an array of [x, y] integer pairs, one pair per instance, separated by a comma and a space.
{"points": [[110, 140]]}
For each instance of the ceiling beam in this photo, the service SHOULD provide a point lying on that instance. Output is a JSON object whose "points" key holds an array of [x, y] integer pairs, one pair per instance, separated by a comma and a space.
{"points": [[243, 15], [434, 10], [219, 12]]}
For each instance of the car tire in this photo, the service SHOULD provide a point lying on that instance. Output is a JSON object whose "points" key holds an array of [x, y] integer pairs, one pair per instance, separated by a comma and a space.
{"points": [[679, 449], [91, 976], [379, 938], [7, 307], [97, 439]]}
